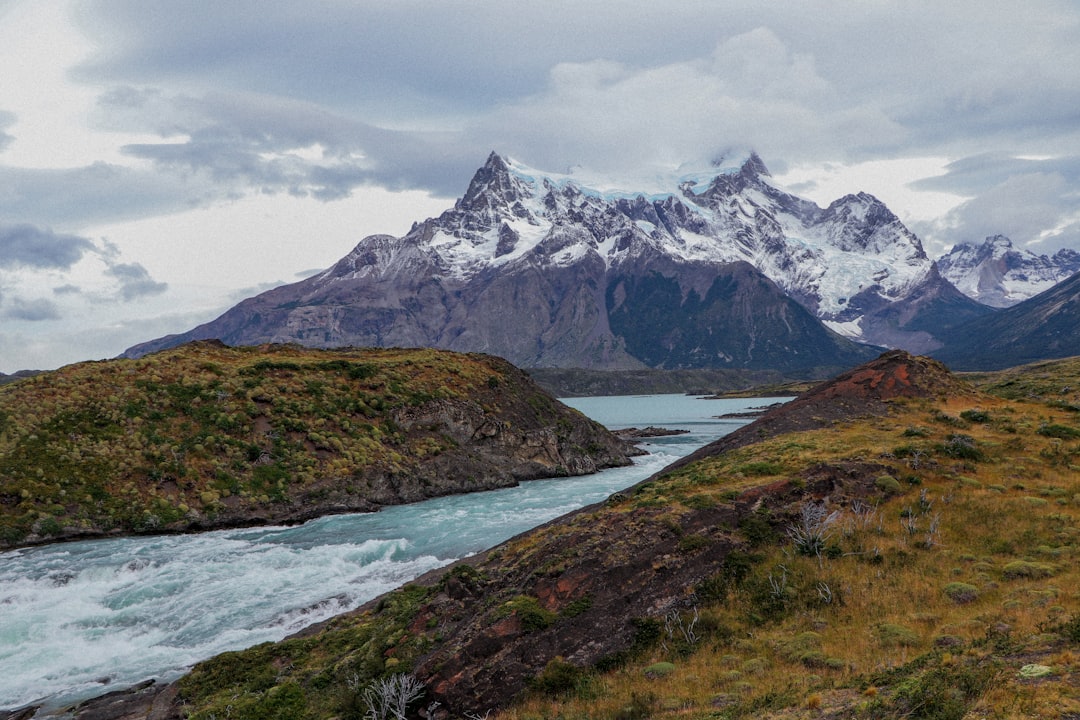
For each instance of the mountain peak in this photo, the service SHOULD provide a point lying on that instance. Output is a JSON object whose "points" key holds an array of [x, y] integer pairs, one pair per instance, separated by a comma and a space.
{"points": [[999, 274], [492, 186], [754, 165], [751, 173]]}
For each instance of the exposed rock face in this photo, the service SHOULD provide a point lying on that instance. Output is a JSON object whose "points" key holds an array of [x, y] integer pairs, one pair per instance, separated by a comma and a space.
{"points": [[719, 269], [997, 274]]}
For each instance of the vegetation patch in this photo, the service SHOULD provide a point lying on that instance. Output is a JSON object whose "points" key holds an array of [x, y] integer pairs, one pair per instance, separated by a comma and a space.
{"points": [[659, 670], [960, 592], [1018, 569]]}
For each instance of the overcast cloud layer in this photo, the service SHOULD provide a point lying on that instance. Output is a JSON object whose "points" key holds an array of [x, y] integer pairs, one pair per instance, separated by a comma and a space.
{"points": [[143, 167]]}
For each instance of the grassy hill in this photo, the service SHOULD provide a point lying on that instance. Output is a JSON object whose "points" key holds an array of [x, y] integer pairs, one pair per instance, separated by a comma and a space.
{"points": [[207, 436], [914, 559]]}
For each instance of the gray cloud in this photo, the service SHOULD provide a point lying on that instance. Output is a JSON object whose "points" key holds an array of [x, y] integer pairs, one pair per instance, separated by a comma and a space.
{"points": [[413, 94], [392, 60], [243, 141], [30, 310], [1035, 202], [100, 192], [135, 281], [28, 246], [979, 173]]}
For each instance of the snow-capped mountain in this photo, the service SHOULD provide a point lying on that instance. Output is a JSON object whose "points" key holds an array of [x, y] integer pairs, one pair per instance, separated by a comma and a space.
{"points": [[719, 268], [836, 261], [997, 274]]}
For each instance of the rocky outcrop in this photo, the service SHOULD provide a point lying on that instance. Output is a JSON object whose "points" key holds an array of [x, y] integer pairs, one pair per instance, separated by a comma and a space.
{"points": [[594, 586], [865, 391]]}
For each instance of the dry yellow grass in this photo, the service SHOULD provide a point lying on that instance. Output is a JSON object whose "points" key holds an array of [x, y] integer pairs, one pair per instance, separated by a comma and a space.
{"points": [[946, 590]]}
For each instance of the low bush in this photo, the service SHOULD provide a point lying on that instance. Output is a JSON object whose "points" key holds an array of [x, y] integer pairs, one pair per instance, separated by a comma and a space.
{"points": [[960, 592], [1025, 569], [558, 677], [887, 484], [1061, 432], [893, 635], [659, 670]]}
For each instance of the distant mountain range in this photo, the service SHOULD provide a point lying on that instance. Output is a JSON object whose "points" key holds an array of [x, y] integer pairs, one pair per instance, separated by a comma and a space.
{"points": [[697, 269], [997, 274]]}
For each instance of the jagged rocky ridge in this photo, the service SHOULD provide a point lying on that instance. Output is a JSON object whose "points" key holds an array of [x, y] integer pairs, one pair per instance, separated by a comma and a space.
{"points": [[996, 273], [713, 269]]}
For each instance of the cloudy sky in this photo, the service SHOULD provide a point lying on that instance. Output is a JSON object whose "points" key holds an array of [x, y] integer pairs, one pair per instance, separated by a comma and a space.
{"points": [[161, 160]]}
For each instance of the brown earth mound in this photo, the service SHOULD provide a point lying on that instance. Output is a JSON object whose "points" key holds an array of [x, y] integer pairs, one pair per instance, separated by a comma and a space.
{"points": [[865, 391]]}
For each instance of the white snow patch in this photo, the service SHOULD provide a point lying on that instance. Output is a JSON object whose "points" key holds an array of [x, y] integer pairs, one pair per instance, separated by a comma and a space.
{"points": [[849, 329]]}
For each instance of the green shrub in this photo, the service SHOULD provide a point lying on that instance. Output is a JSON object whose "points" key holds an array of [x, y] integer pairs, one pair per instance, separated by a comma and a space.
{"points": [[1033, 671], [887, 484], [558, 677], [1028, 570], [892, 635], [943, 692], [804, 647], [1070, 629], [760, 469], [1061, 432], [756, 528], [690, 543], [976, 416], [576, 607], [962, 447], [659, 670], [960, 592], [533, 617], [640, 707]]}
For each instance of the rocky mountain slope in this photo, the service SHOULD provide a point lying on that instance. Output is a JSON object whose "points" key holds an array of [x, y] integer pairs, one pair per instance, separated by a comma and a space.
{"points": [[205, 436], [997, 274], [710, 269], [1043, 327], [894, 545]]}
